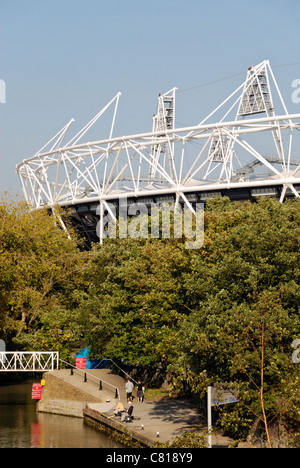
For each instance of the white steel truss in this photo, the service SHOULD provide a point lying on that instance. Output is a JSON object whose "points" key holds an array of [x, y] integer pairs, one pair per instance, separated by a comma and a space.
{"points": [[28, 361], [162, 121], [248, 146], [256, 98]]}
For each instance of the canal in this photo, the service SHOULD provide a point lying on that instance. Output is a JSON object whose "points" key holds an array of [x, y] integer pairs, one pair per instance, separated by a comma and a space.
{"points": [[22, 427]]}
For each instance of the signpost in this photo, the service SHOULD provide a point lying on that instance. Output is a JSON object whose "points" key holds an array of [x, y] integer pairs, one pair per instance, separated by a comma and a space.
{"points": [[217, 395], [36, 391]]}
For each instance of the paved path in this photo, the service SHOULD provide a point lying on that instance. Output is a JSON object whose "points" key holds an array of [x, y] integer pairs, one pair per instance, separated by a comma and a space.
{"points": [[169, 417], [160, 421]]}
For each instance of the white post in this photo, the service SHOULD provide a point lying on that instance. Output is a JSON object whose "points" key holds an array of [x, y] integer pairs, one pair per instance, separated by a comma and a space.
{"points": [[209, 419]]}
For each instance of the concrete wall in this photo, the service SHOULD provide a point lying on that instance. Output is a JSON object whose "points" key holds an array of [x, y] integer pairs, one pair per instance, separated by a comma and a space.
{"points": [[61, 397]]}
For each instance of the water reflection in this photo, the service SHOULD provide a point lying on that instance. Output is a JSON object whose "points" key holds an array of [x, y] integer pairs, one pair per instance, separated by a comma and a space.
{"points": [[22, 427], [55, 431]]}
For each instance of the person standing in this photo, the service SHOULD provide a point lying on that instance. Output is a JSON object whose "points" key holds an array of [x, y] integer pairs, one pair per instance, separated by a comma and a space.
{"points": [[129, 387], [140, 391]]}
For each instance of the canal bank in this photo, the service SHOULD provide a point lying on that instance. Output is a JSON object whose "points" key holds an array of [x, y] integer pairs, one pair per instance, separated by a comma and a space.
{"points": [[153, 421], [79, 395]]}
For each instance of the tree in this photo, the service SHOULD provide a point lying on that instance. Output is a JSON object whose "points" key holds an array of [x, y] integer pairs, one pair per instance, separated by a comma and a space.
{"points": [[225, 312], [40, 281], [244, 290], [135, 300]]}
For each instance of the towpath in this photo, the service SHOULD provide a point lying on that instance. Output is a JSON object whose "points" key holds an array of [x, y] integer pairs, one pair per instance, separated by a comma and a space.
{"points": [[159, 420]]}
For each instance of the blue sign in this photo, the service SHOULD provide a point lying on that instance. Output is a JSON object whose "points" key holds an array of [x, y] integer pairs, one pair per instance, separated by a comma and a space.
{"points": [[91, 363]]}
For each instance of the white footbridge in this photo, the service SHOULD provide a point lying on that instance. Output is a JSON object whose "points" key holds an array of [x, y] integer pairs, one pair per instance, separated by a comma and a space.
{"points": [[28, 361]]}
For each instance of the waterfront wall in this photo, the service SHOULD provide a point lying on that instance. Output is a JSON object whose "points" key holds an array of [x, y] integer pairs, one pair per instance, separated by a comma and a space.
{"points": [[126, 434], [61, 397]]}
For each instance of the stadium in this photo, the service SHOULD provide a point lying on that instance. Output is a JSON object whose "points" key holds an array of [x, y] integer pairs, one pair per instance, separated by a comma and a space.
{"points": [[247, 147]]}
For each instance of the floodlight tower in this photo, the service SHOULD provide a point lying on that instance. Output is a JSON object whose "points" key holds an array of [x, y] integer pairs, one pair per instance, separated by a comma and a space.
{"points": [[256, 98], [163, 120]]}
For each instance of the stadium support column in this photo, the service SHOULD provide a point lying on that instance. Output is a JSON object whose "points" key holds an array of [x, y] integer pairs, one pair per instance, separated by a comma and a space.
{"points": [[101, 226]]}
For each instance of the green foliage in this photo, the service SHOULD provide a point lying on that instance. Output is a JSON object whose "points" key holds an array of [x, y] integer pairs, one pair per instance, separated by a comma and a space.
{"points": [[135, 300], [40, 281], [245, 303], [186, 440], [226, 312], [235, 420]]}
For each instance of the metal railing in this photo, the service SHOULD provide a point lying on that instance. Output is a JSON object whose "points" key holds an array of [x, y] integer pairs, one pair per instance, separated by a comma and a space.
{"points": [[116, 365], [88, 377], [28, 361]]}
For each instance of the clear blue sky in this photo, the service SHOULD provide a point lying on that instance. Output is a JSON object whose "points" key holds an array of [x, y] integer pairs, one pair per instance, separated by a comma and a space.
{"points": [[67, 58]]}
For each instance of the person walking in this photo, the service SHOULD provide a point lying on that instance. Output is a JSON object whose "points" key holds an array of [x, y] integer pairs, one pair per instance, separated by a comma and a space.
{"points": [[129, 387]]}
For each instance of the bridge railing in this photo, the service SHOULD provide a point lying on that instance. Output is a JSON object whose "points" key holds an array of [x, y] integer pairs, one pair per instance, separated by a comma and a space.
{"points": [[28, 361], [43, 361]]}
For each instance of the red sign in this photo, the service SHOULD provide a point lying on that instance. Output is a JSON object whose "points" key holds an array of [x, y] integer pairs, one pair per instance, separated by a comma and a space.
{"points": [[36, 391], [81, 363]]}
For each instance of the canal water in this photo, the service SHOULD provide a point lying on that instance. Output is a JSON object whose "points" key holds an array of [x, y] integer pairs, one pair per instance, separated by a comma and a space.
{"points": [[22, 427]]}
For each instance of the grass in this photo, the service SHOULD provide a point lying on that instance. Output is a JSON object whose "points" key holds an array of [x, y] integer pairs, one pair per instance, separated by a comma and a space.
{"points": [[155, 394]]}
